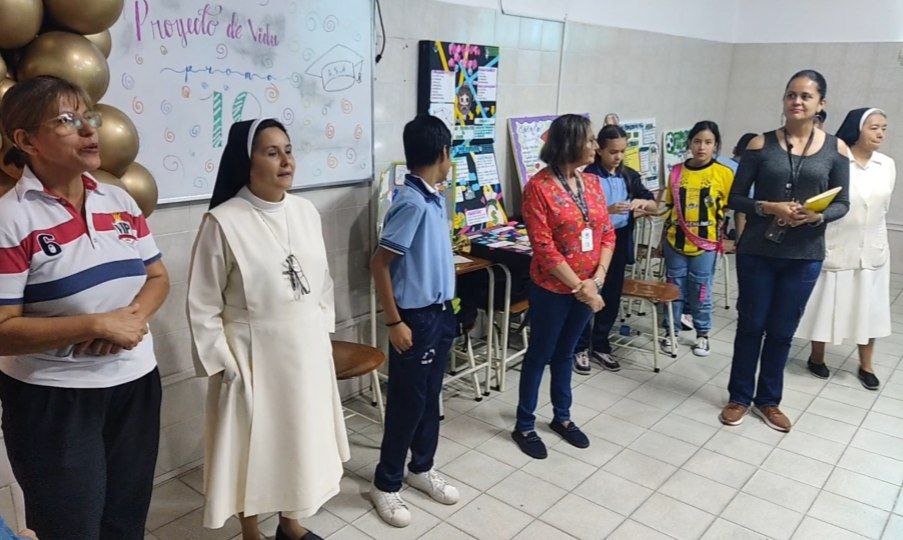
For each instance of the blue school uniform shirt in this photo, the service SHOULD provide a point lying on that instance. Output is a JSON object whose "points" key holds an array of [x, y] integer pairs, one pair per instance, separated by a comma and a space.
{"points": [[416, 228], [615, 188]]}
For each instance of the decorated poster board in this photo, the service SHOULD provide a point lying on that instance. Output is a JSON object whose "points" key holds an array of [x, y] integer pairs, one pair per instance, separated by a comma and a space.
{"points": [[186, 71], [391, 178], [527, 136], [457, 83], [675, 149], [642, 150]]}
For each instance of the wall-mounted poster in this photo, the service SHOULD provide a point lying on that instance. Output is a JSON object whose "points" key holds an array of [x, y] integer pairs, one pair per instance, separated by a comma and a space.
{"points": [[642, 150], [675, 145], [457, 83], [527, 136]]}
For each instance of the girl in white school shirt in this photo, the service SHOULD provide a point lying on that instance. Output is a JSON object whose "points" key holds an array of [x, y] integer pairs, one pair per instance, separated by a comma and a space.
{"points": [[851, 299]]}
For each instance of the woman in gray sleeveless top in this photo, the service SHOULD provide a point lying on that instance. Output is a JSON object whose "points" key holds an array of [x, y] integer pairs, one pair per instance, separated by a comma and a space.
{"points": [[780, 253]]}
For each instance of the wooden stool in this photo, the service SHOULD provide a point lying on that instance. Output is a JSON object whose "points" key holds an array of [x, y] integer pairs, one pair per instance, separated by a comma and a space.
{"points": [[654, 292], [355, 360]]}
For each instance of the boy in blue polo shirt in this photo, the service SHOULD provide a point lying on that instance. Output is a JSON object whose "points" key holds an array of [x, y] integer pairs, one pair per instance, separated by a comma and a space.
{"points": [[415, 281]]}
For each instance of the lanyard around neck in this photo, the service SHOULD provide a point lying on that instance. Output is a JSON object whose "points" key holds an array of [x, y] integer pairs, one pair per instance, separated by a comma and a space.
{"points": [[578, 196], [795, 170]]}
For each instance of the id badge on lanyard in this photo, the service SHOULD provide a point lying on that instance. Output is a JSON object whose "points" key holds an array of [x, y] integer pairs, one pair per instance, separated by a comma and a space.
{"points": [[586, 239]]}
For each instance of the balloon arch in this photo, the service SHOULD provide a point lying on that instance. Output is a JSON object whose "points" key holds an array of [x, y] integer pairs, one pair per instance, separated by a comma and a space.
{"points": [[71, 40]]}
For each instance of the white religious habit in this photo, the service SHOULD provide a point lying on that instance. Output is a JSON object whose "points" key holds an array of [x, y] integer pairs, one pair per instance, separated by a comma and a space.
{"points": [[260, 304], [851, 299]]}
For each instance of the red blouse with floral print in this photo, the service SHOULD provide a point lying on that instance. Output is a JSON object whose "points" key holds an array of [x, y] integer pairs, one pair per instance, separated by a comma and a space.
{"points": [[554, 223]]}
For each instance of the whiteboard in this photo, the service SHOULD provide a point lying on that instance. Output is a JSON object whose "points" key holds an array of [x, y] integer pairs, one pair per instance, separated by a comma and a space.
{"points": [[186, 71]]}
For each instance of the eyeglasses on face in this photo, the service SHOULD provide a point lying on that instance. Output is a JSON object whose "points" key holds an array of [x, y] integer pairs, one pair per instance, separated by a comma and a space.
{"points": [[67, 123]]}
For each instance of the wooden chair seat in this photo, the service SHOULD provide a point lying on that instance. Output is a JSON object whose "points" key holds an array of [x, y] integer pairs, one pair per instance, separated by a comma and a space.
{"points": [[654, 291], [520, 307], [354, 359]]}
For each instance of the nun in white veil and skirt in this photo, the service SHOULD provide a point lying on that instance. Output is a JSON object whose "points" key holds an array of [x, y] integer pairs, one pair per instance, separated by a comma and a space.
{"points": [[260, 305]]}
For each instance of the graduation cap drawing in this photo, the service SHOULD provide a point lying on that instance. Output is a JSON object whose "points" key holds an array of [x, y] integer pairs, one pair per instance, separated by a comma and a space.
{"points": [[339, 68]]}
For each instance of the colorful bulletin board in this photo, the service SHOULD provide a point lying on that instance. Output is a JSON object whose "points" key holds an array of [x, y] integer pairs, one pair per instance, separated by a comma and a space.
{"points": [[642, 150], [457, 83], [526, 134], [186, 71], [675, 145]]}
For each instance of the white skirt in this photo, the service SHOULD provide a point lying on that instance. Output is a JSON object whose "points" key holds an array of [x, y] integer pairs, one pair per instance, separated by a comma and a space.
{"points": [[848, 305]]}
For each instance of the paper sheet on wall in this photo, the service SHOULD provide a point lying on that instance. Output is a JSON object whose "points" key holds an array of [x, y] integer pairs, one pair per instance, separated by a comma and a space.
{"points": [[632, 158], [442, 86], [487, 173], [476, 217], [485, 92], [444, 112]]}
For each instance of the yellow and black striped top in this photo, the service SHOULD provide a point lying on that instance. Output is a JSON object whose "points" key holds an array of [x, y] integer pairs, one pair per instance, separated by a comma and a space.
{"points": [[703, 196]]}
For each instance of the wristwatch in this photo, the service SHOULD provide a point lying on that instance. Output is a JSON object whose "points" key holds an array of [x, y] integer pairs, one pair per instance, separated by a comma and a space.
{"points": [[760, 208], [599, 282]]}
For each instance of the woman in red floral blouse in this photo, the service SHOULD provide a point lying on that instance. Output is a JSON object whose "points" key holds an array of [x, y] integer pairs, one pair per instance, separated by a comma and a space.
{"points": [[573, 240]]}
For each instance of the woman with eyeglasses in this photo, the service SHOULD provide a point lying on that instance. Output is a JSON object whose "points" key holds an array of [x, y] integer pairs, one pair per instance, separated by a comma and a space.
{"points": [[80, 277], [260, 307]]}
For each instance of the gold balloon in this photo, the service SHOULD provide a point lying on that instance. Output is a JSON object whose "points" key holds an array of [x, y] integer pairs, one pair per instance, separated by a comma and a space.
{"points": [[68, 56], [4, 71], [84, 17], [20, 21], [141, 186], [5, 85], [118, 140], [108, 178], [102, 41]]}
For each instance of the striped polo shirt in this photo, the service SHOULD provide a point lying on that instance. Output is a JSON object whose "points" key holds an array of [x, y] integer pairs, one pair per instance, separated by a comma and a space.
{"points": [[55, 263]]}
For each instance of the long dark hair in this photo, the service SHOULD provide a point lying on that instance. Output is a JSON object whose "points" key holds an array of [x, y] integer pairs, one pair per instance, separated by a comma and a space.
{"points": [[609, 133], [813, 76], [703, 125], [235, 164]]}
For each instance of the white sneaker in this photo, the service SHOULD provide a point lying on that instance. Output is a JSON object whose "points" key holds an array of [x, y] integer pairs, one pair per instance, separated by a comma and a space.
{"points": [[435, 486], [668, 345], [701, 347], [390, 507]]}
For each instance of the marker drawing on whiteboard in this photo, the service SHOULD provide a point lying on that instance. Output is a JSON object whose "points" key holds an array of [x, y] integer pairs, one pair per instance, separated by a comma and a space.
{"points": [[272, 93], [339, 68], [330, 22], [188, 71], [217, 120], [172, 163]]}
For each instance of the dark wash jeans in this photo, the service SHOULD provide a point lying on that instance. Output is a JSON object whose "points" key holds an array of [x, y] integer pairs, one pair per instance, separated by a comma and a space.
{"points": [[773, 295], [556, 321]]}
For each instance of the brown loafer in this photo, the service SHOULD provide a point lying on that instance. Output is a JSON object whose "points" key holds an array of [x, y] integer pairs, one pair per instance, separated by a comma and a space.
{"points": [[732, 414], [773, 418]]}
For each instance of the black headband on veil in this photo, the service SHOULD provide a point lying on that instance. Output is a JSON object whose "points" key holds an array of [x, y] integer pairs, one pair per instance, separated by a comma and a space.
{"points": [[851, 127], [235, 164]]}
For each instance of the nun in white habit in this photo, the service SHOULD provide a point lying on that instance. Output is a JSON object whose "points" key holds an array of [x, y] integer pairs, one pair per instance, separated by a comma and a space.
{"points": [[260, 305]]}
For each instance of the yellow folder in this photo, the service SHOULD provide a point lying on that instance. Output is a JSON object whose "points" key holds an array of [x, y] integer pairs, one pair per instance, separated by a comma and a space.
{"points": [[822, 200]]}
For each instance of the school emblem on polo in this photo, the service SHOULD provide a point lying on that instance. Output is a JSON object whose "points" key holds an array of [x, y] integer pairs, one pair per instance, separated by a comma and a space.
{"points": [[124, 228]]}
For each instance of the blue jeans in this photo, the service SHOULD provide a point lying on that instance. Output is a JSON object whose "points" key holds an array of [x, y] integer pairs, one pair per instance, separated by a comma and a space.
{"points": [[694, 276], [414, 388], [556, 321], [596, 333], [773, 295]]}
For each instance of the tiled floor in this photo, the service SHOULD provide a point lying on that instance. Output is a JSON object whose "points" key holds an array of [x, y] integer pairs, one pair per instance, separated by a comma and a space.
{"points": [[660, 465]]}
